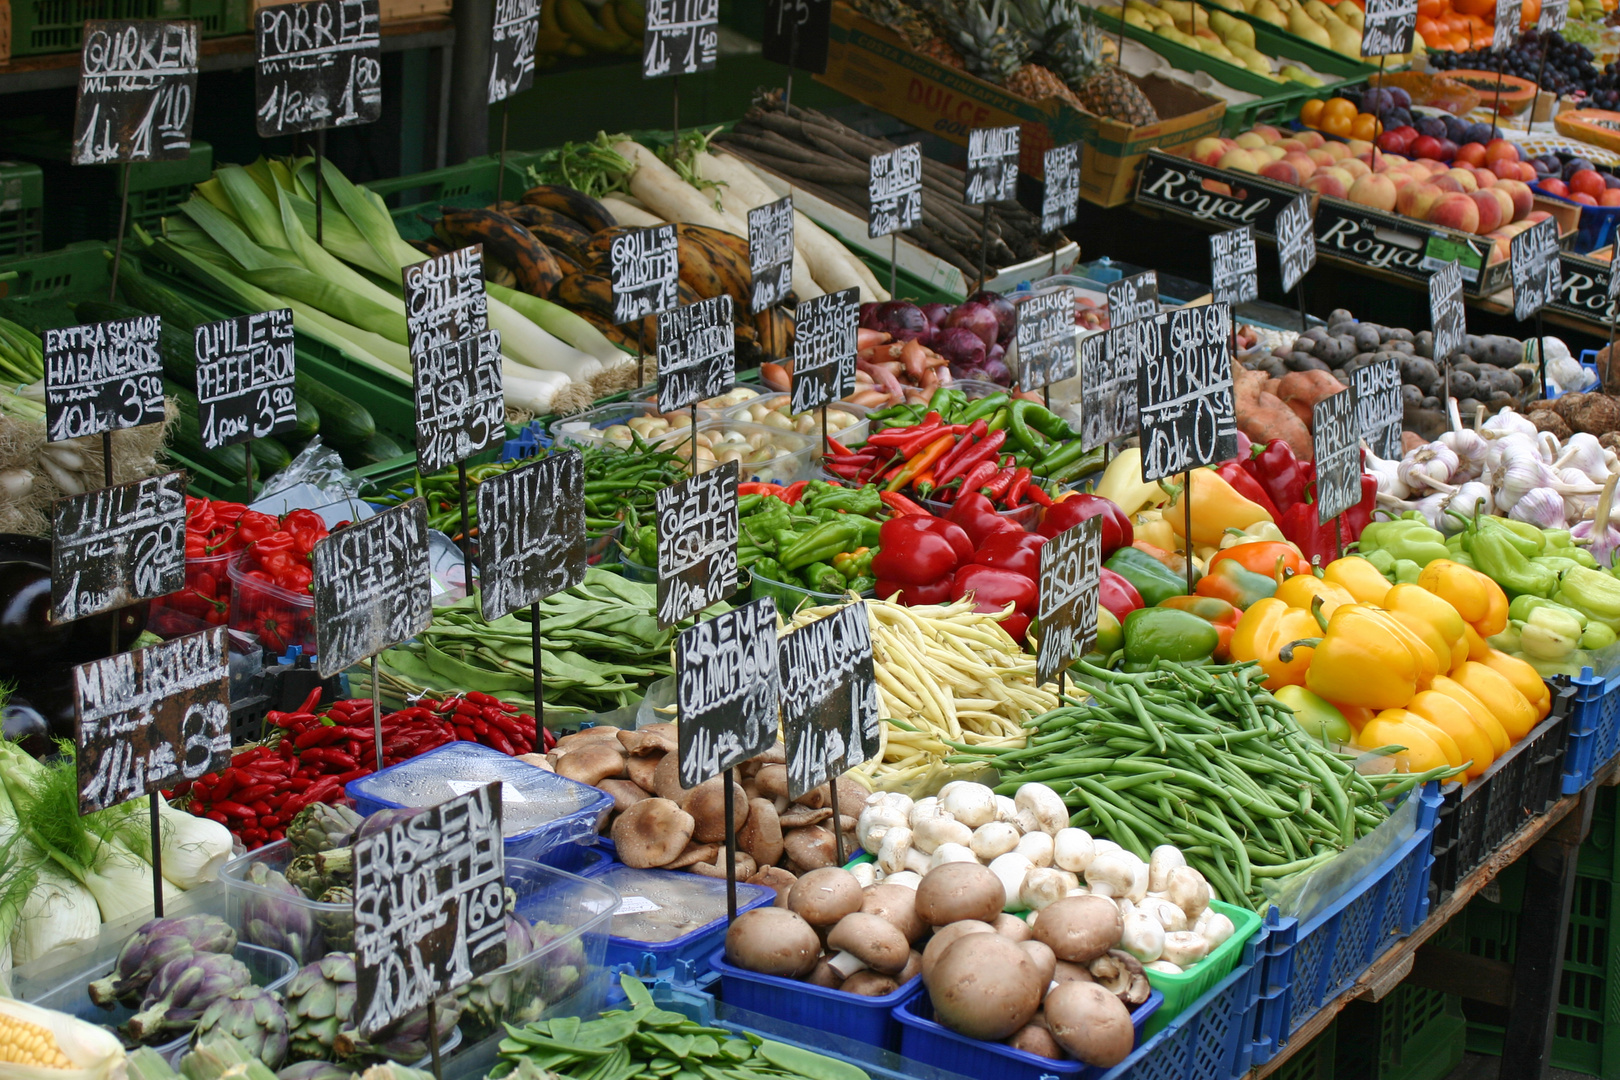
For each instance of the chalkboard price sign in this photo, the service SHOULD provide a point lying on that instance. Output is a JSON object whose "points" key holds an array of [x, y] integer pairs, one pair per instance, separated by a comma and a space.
{"points": [[830, 708], [517, 28], [1296, 241], [1108, 363], [796, 33], [992, 165], [371, 586], [103, 377], [894, 191], [319, 66], [824, 333], [770, 252], [697, 353], [1336, 437], [1537, 274], [1132, 298], [1045, 337], [118, 546], [429, 907], [1614, 275], [1379, 408], [531, 533], [697, 543], [245, 378], [455, 360], [137, 90], [1446, 315], [1389, 26], [1060, 202], [1184, 392], [1506, 29], [445, 299], [682, 37], [1554, 13], [1070, 567], [1234, 266], [152, 719], [645, 270], [728, 688]]}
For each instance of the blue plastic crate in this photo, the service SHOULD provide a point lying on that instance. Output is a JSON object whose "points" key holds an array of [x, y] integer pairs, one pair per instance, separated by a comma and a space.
{"points": [[1594, 726], [1276, 972], [584, 858], [868, 1020], [923, 1039], [698, 898]]}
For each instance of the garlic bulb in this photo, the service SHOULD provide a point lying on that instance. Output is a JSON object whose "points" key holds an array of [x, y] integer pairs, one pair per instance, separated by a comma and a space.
{"points": [[1386, 473], [1507, 422], [1469, 446], [1539, 506], [1468, 500], [1601, 537], [1428, 467], [1577, 501], [1583, 452], [1433, 508]]}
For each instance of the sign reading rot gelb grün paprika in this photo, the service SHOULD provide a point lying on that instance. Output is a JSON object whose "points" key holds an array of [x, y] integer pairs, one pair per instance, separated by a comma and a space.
{"points": [[1184, 392]]}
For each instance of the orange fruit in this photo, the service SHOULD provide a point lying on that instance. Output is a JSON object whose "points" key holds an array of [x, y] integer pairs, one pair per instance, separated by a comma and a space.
{"points": [[1431, 9], [1365, 126], [1310, 113], [1459, 42], [1337, 124], [1339, 106], [1428, 29]]}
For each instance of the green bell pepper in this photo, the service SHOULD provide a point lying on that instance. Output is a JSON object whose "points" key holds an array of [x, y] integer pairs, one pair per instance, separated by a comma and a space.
{"points": [[1167, 634], [1382, 561], [1498, 557], [1150, 577], [1407, 571], [821, 543], [1405, 538], [1522, 607], [823, 578], [1525, 537], [1592, 592], [1316, 715], [772, 570], [1598, 636]]}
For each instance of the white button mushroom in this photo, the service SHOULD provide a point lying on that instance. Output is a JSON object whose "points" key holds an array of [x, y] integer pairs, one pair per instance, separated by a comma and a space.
{"points": [[1139, 879], [1011, 868], [1037, 847], [929, 833], [1184, 948], [1164, 859], [923, 809], [865, 873], [993, 839], [1164, 967], [951, 853], [909, 878], [1072, 849], [1188, 890], [1007, 810], [1169, 916], [891, 853], [1214, 928], [1111, 874], [875, 821], [1042, 886], [1142, 936], [916, 861], [971, 804], [1101, 847], [1045, 804]]}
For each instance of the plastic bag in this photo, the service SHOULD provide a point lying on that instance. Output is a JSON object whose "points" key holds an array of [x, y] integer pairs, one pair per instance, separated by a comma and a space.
{"points": [[1310, 892], [320, 467]]}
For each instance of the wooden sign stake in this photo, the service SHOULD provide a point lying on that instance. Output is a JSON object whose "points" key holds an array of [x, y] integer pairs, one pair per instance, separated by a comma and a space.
{"points": [[433, 1037], [1299, 295], [675, 102], [984, 245], [118, 245], [376, 715], [466, 526], [1186, 497], [107, 475], [539, 697], [1530, 113], [157, 850], [500, 175], [1541, 353], [731, 848], [1338, 537], [894, 259], [838, 831]]}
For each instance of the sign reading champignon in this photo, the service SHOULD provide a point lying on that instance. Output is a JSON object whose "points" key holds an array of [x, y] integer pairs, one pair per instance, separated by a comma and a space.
{"points": [[728, 687], [830, 708]]}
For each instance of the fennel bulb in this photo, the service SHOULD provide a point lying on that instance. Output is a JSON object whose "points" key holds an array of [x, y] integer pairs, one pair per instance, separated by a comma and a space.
{"points": [[58, 912], [193, 848]]}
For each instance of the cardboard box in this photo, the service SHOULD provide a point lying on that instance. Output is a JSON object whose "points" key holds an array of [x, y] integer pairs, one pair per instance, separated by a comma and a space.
{"points": [[5, 31], [872, 64]]}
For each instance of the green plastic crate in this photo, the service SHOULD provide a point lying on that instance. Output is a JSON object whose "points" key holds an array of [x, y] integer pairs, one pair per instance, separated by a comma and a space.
{"points": [[1315, 1061], [1598, 852], [1180, 991], [22, 209], [52, 26], [1413, 1034], [414, 200]]}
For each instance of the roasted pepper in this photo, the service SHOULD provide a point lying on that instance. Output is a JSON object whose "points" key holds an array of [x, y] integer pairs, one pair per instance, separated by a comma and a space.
{"points": [[1150, 577], [1300, 590], [1216, 507], [1405, 538], [1366, 658], [1478, 599], [1423, 746], [1436, 621], [1218, 613], [1319, 717], [1264, 630], [1164, 633], [1450, 716], [1360, 578], [1511, 708]]}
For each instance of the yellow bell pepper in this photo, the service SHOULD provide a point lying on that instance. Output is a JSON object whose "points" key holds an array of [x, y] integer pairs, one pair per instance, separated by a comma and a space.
{"points": [[1364, 658], [1478, 647], [1359, 578], [1122, 484], [1260, 530], [1450, 716], [1525, 679], [1417, 607], [1267, 626], [1479, 600], [1444, 684], [1216, 507], [1428, 660], [1150, 527], [1511, 709], [1300, 589], [1397, 727]]}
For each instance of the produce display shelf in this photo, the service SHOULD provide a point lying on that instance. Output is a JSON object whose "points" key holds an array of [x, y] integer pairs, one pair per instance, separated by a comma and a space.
{"points": [[1594, 730], [22, 209], [1413, 1034], [51, 26]]}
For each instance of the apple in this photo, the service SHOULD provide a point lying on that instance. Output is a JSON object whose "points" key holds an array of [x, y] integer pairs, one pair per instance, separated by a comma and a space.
{"points": [[1501, 150], [1393, 142], [1282, 171], [1465, 177], [1583, 198], [1456, 211], [1249, 140], [1588, 181], [1329, 182], [1470, 154], [1416, 200], [1488, 211], [1554, 186], [1375, 190], [1426, 146], [1302, 161]]}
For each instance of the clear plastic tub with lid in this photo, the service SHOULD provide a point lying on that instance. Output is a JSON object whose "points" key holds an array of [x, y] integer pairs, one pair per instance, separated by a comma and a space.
{"points": [[666, 916], [846, 421]]}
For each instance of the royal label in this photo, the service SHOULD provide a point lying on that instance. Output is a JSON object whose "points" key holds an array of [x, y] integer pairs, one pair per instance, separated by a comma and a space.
{"points": [[1446, 315], [1045, 338], [770, 253], [1389, 26], [1401, 246], [245, 378], [137, 90], [531, 533], [1184, 392], [1379, 408], [644, 269], [1214, 196], [796, 33], [992, 166], [697, 353], [824, 350], [429, 907], [1071, 564], [682, 37], [512, 41], [728, 688], [1536, 268], [894, 191], [1587, 289], [1336, 438], [830, 708], [1108, 362], [118, 546], [1296, 241], [1060, 201], [152, 719], [371, 586], [319, 66], [697, 543], [1132, 298], [103, 377], [1234, 266]]}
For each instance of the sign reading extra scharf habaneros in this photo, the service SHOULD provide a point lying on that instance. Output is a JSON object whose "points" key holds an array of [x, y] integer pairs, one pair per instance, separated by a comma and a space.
{"points": [[102, 377]]}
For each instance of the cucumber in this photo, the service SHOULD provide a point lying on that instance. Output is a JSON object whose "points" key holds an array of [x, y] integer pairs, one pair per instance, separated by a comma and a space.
{"points": [[269, 456], [344, 422], [309, 419], [149, 295], [377, 449], [177, 344]]}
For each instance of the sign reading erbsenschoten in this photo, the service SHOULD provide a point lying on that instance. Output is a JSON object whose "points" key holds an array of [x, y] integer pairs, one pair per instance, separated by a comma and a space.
{"points": [[824, 350], [894, 191], [1060, 202], [137, 91], [372, 586], [992, 165], [644, 268], [770, 253], [152, 719], [697, 353], [429, 907], [245, 378], [102, 377], [1071, 564], [118, 546], [697, 543], [830, 708], [728, 688], [319, 66], [1184, 392], [531, 533]]}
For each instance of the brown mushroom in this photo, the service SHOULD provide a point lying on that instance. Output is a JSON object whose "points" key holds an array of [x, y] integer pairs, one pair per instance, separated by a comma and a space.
{"points": [[912, 969], [625, 794], [1045, 960], [811, 848], [642, 772], [1122, 975], [896, 904], [824, 896], [567, 743], [870, 984], [875, 942], [761, 835], [646, 743], [667, 777], [825, 975], [954, 891], [716, 867], [851, 797], [1011, 926], [984, 986], [1079, 928], [651, 833], [591, 763], [798, 816], [1035, 1038], [946, 936], [1090, 1023], [772, 781], [773, 941], [1067, 972], [707, 805], [694, 854], [775, 877]]}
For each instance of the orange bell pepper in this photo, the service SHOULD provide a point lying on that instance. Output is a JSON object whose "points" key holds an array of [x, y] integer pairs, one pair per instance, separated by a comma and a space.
{"points": [[1452, 717], [1444, 684], [1264, 630]]}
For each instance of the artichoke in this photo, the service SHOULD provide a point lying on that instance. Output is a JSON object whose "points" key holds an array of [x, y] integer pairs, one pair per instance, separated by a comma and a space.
{"points": [[314, 1070], [390, 1070], [183, 989], [337, 927], [320, 827], [336, 866], [320, 1002], [498, 997], [564, 965], [153, 945], [220, 1056], [409, 1039], [254, 1017], [304, 874], [277, 924]]}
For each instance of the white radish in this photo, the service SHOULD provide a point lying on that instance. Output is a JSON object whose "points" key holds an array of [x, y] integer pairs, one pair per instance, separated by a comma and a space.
{"points": [[630, 216], [665, 193]]}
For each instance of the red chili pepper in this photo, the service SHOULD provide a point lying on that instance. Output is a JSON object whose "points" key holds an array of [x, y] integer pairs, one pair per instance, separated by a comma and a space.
{"points": [[232, 809], [508, 724], [353, 774], [325, 789], [465, 733], [227, 784], [481, 699], [498, 741], [318, 736], [215, 815], [253, 795], [326, 755]]}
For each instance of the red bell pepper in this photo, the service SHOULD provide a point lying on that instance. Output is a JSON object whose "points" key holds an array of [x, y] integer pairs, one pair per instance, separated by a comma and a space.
{"points": [[1359, 516], [915, 595], [1283, 476], [1244, 483], [1314, 540], [993, 589], [1071, 511], [1116, 594], [978, 518], [919, 550], [1013, 550]]}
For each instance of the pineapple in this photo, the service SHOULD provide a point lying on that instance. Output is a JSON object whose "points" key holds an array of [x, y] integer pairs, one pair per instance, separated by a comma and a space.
{"points": [[997, 50], [1076, 49]]}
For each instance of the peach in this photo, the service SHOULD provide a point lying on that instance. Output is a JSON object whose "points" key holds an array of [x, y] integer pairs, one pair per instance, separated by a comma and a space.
{"points": [[1611, 197], [1401, 180], [1311, 139], [1456, 211], [1240, 160], [1445, 182], [1417, 199], [1356, 168], [1338, 149], [1322, 158], [1524, 199], [1527, 172], [1504, 201], [1464, 177], [1375, 190], [1329, 182], [1535, 217], [1470, 154], [1488, 211], [1302, 161], [1485, 178], [1502, 167], [1249, 140], [1290, 145], [1271, 153], [1359, 147], [1209, 149], [1265, 131], [1282, 171]]}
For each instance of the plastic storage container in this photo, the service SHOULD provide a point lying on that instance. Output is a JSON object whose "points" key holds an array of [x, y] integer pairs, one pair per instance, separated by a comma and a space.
{"points": [[869, 1020], [539, 810], [1180, 991], [846, 421], [770, 455], [272, 917], [790, 598], [590, 428], [665, 917], [208, 585], [273, 616]]}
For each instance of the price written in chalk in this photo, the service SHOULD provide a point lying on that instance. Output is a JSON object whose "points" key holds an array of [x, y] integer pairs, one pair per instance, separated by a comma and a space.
{"points": [[1060, 202], [455, 359], [1447, 317], [118, 546], [1388, 27], [770, 253], [245, 378], [1505, 31], [137, 91], [512, 41], [1071, 565], [319, 66], [644, 269], [992, 166], [371, 586], [824, 350], [797, 33], [531, 533], [1380, 410], [1045, 338], [682, 37], [894, 191], [1108, 363], [728, 689], [1234, 266], [1296, 241], [1336, 438], [697, 543], [103, 377], [830, 708], [697, 353], [1537, 272], [1184, 392], [1132, 298]]}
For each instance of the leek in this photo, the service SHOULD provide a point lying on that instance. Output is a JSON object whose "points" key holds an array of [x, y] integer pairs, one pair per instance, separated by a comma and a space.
{"points": [[297, 283], [253, 205], [560, 322], [325, 263], [531, 346]]}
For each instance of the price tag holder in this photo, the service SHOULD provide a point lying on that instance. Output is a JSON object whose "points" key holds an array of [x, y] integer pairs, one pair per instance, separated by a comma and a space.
{"points": [[1234, 266], [512, 41], [137, 90], [1537, 275], [796, 33], [1380, 410], [103, 377], [1506, 29], [1296, 241], [645, 272], [455, 360], [1336, 437], [992, 165], [682, 37], [1389, 27], [1132, 298], [371, 586], [1184, 392], [118, 546], [824, 350], [770, 253], [1108, 363], [697, 543], [1446, 313], [151, 719], [1554, 13], [531, 533], [245, 378], [894, 191], [728, 687], [697, 353], [429, 907], [319, 65], [1045, 337], [1071, 564], [830, 708], [1060, 202]]}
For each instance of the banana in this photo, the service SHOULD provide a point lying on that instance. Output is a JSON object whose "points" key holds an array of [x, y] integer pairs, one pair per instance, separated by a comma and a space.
{"points": [[613, 333], [697, 271], [574, 17], [586, 293], [591, 215], [730, 270], [632, 15], [556, 231], [509, 242], [548, 17]]}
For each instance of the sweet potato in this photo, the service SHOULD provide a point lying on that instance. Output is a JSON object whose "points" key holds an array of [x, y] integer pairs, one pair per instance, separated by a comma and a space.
{"points": [[1262, 416], [1301, 390]]}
